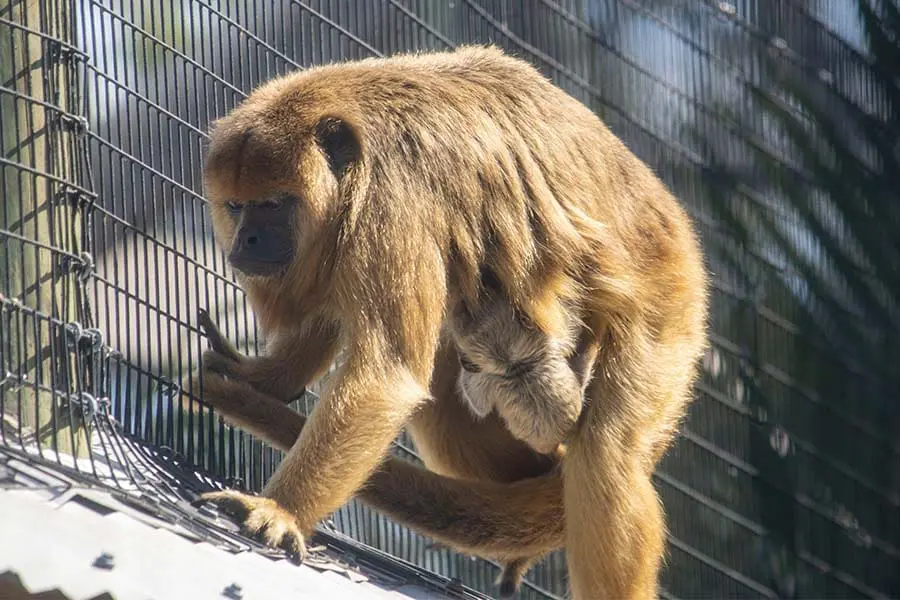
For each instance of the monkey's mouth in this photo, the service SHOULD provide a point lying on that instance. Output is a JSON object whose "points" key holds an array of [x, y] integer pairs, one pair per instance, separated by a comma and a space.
{"points": [[260, 268]]}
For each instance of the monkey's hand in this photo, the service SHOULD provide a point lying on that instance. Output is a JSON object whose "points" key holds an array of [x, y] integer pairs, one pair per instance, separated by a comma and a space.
{"points": [[220, 366], [222, 358], [262, 519], [218, 341], [263, 373]]}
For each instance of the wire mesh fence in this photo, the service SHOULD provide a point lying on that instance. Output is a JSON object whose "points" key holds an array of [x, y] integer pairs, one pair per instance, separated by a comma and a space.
{"points": [[786, 477]]}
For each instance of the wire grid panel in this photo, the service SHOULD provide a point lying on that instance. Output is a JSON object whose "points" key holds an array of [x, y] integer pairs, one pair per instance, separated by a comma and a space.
{"points": [[759, 502]]}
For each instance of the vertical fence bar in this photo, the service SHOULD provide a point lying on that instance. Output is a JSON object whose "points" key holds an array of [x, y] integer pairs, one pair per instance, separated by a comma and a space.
{"points": [[42, 202]]}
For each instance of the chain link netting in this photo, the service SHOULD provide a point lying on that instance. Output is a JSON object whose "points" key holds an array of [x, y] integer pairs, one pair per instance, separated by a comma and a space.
{"points": [[786, 477]]}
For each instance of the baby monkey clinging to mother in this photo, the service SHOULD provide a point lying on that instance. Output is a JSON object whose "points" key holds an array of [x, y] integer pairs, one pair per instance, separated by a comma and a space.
{"points": [[535, 379]]}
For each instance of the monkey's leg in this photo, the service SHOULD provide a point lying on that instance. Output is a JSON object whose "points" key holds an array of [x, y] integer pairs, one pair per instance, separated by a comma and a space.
{"points": [[615, 535], [493, 520], [615, 538], [501, 521], [244, 406]]}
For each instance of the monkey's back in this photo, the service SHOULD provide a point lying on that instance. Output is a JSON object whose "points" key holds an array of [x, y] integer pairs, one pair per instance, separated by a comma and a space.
{"points": [[448, 114]]}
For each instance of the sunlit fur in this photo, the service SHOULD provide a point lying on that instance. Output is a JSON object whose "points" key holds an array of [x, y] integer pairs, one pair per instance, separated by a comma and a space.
{"points": [[451, 163]]}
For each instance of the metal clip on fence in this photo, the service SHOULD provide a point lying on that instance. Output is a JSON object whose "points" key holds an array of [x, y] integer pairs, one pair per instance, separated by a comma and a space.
{"points": [[168, 388], [93, 338], [59, 52], [75, 197], [86, 268], [82, 266], [87, 405], [73, 333], [73, 124]]}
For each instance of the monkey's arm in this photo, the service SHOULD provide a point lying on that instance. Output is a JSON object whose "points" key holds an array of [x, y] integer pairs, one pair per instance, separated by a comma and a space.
{"points": [[502, 521], [347, 434], [293, 359]]}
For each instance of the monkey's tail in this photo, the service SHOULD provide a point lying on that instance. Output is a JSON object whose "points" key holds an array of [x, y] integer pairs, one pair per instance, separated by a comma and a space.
{"points": [[504, 521], [512, 575]]}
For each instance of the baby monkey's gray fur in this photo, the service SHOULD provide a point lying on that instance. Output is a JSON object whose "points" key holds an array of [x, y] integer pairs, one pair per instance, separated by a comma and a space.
{"points": [[534, 380]]}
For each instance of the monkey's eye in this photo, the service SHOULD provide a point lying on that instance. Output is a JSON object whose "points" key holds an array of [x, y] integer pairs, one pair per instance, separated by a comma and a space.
{"points": [[272, 203], [234, 207], [467, 364]]}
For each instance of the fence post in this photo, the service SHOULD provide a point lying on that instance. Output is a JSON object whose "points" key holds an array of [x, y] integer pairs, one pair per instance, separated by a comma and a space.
{"points": [[40, 223]]}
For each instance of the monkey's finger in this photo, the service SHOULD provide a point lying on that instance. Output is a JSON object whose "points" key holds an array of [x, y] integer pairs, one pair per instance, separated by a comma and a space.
{"points": [[211, 384], [275, 534], [233, 504], [268, 523], [218, 342], [190, 383], [215, 337], [283, 534], [293, 544]]}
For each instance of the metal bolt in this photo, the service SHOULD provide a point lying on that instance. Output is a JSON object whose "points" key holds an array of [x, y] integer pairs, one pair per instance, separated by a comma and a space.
{"points": [[73, 334], [93, 338], [233, 591], [105, 561], [86, 403]]}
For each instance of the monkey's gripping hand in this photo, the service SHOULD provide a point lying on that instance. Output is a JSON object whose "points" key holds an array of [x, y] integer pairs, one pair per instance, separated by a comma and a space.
{"points": [[292, 360], [222, 357], [221, 360], [231, 384], [222, 365], [261, 519]]}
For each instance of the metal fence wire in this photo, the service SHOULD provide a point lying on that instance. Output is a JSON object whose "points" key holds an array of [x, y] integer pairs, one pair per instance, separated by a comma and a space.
{"points": [[785, 480]]}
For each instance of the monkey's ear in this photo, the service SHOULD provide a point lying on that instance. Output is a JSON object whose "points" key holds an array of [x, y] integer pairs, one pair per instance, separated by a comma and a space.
{"points": [[340, 143]]}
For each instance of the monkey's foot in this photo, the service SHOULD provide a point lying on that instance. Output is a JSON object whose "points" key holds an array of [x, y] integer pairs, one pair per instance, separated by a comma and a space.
{"points": [[262, 519]]}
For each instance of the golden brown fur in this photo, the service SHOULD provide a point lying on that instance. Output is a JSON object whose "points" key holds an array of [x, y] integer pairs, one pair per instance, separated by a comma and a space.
{"points": [[414, 174]]}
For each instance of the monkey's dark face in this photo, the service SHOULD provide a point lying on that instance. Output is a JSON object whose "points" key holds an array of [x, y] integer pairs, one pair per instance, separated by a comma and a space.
{"points": [[274, 180], [263, 243]]}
